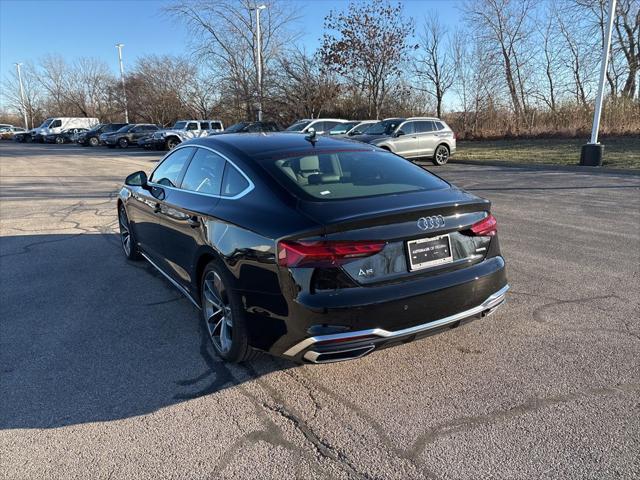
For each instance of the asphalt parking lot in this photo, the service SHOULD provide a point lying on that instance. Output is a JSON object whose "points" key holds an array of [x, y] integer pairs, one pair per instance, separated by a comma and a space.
{"points": [[105, 371]]}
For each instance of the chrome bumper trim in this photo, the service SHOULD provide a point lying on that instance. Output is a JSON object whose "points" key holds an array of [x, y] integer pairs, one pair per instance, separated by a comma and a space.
{"points": [[491, 302]]}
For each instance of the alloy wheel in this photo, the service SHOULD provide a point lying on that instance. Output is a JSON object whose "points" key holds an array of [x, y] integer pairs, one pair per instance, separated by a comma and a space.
{"points": [[125, 233], [93, 141], [217, 312], [442, 155]]}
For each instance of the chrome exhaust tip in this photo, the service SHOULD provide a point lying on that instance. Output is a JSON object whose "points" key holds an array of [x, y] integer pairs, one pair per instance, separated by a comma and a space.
{"points": [[337, 355]]}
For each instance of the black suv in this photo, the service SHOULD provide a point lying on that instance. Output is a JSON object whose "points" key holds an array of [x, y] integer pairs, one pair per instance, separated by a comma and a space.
{"points": [[92, 137]]}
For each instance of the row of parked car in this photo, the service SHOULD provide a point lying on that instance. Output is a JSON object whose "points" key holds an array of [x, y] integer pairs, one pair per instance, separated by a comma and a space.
{"points": [[414, 137]]}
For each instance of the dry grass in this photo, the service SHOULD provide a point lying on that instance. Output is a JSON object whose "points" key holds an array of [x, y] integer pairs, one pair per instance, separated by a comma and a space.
{"points": [[619, 152]]}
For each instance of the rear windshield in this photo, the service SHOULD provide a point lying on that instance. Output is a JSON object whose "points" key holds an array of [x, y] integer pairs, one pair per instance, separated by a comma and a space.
{"points": [[350, 174]]}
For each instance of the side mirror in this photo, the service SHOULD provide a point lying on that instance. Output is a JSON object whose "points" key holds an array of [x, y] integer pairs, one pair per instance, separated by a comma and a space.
{"points": [[137, 179], [399, 133]]}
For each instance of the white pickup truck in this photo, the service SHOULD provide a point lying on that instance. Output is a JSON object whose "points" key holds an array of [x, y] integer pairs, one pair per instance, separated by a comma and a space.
{"points": [[182, 130]]}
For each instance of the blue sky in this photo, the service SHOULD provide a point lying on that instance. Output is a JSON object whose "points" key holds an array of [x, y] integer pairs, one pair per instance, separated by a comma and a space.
{"points": [[30, 29]]}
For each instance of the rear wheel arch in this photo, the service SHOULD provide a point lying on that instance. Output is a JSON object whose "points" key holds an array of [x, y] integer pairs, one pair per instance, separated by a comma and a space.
{"points": [[201, 263]]}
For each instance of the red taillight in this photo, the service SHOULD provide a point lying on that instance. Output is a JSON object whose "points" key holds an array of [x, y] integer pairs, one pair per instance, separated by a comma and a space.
{"points": [[488, 226], [324, 254]]}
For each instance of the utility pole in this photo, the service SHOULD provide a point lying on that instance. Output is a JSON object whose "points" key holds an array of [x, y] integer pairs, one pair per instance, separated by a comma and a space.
{"points": [[259, 58], [592, 152], [24, 105], [124, 90]]}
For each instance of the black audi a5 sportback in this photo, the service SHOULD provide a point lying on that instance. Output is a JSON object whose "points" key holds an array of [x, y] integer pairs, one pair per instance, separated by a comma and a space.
{"points": [[312, 248]]}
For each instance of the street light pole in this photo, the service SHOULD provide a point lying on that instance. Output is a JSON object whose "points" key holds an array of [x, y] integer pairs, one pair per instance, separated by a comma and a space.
{"points": [[259, 58], [124, 90], [24, 105], [592, 152]]}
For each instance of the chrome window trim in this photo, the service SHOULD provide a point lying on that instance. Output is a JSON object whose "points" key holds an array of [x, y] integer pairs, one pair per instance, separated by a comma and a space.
{"points": [[235, 197], [491, 302]]}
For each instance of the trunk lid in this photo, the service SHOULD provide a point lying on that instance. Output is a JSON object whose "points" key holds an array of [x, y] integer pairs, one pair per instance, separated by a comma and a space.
{"points": [[447, 213]]}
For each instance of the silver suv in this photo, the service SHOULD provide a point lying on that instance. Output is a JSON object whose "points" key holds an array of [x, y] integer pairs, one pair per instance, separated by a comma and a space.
{"points": [[413, 137]]}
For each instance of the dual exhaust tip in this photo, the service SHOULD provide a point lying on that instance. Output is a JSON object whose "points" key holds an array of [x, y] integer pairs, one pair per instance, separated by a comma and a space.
{"points": [[338, 355]]}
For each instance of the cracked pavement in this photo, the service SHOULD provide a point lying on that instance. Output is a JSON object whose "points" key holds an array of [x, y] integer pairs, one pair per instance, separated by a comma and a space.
{"points": [[105, 371]]}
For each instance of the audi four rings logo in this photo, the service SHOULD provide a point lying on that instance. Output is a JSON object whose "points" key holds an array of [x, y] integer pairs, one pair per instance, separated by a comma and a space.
{"points": [[429, 223]]}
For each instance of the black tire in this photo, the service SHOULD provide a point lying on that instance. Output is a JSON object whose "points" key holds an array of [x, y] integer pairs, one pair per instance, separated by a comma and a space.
{"points": [[441, 155], [123, 142], [229, 320], [94, 142], [127, 238], [171, 143], [59, 140]]}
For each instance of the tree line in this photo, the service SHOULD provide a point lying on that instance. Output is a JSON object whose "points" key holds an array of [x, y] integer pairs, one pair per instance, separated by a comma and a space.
{"points": [[507, 68]]}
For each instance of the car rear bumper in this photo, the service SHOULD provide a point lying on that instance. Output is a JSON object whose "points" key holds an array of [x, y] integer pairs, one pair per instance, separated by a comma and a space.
{"points": [[365, 318], [355, 344]]}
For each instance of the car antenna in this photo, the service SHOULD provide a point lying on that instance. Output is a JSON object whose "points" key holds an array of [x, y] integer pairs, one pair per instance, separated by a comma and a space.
{"points": [[311, 137]]}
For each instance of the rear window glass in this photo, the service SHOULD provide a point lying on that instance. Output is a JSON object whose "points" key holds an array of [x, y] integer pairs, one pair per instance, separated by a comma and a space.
{"points": [[350, 174]]}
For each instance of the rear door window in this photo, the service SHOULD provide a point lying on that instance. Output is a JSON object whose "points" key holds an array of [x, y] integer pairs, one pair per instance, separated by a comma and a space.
{"points": [[425, 126], [350, 174], [204, 174], [169, 171]]}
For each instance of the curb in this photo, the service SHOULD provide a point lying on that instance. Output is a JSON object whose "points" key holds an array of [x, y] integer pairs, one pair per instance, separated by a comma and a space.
{"points": [[561, 168]]}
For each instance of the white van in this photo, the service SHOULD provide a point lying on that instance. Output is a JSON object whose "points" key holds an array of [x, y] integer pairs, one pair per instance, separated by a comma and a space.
{"points": [[59, 124]]}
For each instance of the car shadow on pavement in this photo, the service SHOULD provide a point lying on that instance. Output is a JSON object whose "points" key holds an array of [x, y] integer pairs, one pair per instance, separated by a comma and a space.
{"points": [[87, 336]]}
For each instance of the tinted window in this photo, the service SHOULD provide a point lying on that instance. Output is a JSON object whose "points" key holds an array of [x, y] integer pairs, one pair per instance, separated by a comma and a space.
{"points": [[298, 126], [233, 182], [425, 126], [216, 126], [439, 125], [192, 126], [326, 126], [408, 128], [385, 127], [204, 174], [168, 172], [350, 174], [204, 125], [55, 124]]}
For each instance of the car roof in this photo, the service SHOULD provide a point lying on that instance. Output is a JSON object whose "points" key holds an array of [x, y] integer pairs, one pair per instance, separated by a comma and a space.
{"points": [[259, 144]]}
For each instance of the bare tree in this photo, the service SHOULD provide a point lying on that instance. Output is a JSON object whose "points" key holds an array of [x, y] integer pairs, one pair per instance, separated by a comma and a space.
{"points": [[224, 34], [627, 27], [34, 97], [305, 90], [505, 26], [367, 44], [435, 64]]}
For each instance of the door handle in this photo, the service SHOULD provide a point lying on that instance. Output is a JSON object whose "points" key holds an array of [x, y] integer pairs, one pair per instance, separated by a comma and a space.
{"points": [[193, 222], [156, 208]]}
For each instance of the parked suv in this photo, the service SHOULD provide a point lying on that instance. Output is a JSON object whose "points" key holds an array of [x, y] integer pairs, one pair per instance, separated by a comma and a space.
{"points": [[92, 137], [128, 135], [320, 125], [413, 138], [183, 130]]}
